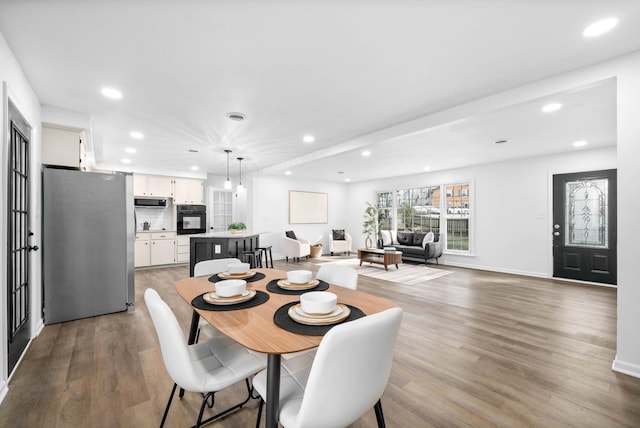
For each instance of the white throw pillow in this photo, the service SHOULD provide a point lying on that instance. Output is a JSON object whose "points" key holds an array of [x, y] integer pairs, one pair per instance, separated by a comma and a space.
{"points": [[429, 237], [386, 237], [394, 237]]}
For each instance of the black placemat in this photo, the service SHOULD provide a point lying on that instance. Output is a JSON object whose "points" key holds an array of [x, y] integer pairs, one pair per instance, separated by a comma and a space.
{"points": [[284, 321], [257, 277], [273, 287], [199, 303]]}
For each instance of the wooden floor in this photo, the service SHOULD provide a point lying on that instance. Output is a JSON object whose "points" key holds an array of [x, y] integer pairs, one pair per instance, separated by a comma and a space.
{"points": [[475, 349]]}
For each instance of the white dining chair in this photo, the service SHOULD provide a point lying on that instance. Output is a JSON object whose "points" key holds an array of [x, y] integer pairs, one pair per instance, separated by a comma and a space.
{"points": [[205, 367], [211, 267], [344, 276], [345, 379]]}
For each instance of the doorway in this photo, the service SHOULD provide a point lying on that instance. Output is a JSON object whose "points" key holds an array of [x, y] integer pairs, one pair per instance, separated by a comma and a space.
{"points": [[18, 235], [584, 226]]}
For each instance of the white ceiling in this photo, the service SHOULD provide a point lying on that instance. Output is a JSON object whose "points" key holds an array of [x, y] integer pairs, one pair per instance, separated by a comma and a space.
{"points": [[344, 71]]}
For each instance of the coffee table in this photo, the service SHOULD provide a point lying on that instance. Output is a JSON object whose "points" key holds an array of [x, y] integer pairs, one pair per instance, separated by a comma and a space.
{"points": [[375, 255]]}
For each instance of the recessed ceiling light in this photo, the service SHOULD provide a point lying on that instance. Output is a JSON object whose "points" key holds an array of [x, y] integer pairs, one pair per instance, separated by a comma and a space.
{"points": [[111, 93], [126, 160], [347, 180], [194, 168], [130, 150], [136, 135], [236, 116], [580, 143], [366, 153], [427, 168], [308, 139], [287, 173], [549, 108], [600, 27], [500, 142]]}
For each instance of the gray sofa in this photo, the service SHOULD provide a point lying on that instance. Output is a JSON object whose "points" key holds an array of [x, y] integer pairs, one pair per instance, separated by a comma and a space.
{"points": [[410, 243]]}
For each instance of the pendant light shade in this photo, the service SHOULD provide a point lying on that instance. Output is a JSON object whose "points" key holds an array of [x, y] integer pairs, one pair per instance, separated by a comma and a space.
{"points": [[240, 187], [227, 184]]}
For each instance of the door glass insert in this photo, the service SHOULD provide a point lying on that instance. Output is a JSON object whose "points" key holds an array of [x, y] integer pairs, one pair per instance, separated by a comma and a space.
{"points": [[586, 213]]}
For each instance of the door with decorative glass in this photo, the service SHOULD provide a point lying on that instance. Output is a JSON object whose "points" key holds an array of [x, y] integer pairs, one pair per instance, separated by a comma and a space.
{"points": [[584, 226]]}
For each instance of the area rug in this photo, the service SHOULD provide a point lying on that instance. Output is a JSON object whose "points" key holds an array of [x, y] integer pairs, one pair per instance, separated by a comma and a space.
{"points": [[408, 274]]}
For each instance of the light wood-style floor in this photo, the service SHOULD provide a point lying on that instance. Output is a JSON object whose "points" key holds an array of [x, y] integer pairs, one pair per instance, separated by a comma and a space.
{"points": [[475, 349]]}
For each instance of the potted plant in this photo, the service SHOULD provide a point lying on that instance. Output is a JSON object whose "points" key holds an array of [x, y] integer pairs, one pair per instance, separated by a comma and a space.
{"points": [[370, 224], [237, 227]]}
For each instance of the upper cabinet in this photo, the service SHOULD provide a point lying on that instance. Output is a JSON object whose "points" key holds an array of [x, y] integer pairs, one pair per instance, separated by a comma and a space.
{"points": [[63, 147], [152, 185], [187, 191]]}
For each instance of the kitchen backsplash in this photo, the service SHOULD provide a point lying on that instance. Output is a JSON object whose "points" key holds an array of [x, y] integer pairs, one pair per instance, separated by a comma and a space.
{"points": [[158, 218]]}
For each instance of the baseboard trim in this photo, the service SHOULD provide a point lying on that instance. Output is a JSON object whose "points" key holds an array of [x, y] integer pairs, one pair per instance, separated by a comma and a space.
{"points": [[625, 368], [4, 389], [494, 269]]}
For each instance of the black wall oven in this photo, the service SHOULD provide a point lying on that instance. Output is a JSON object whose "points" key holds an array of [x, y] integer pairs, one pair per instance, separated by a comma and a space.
{"points": [[191, 219]]}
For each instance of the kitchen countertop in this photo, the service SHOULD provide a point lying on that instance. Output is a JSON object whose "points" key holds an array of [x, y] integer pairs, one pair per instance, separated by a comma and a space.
{"points": [[227, 234]]}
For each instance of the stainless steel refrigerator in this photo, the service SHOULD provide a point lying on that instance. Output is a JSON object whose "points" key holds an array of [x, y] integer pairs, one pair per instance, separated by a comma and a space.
{"points": [[88, 230]]}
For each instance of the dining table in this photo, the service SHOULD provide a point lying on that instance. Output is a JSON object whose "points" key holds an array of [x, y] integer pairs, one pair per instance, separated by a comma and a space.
{"points": [[256, 327]]}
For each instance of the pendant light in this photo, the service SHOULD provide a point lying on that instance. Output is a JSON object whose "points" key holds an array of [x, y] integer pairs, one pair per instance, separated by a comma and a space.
{"points": [[227, 184], [240, 187]]}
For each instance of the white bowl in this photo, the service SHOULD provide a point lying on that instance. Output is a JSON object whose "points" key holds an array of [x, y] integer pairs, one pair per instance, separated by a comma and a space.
{"points": [[236, 268], [318, 302], [230, 287], [299, 276]]}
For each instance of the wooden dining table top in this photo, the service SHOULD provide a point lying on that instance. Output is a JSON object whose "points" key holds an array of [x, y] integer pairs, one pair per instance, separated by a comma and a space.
{"points": [[254, 327]]}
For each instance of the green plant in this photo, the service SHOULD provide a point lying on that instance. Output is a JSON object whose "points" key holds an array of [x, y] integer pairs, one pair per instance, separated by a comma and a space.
{"points": [[236, 226], [370, 223]]}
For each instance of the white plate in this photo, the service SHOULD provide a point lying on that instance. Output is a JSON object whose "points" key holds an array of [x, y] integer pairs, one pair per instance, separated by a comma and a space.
{"points": [[283, 283], [342, 312], [214, 299], [227, 275]]}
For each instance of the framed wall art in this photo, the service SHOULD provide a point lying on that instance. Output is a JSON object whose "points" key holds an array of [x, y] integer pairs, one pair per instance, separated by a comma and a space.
{"points": [[308, 207]]}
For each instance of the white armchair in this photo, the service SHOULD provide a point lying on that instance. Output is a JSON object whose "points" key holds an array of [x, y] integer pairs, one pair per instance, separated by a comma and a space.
{"points": [[339, 245], [295, 247]]}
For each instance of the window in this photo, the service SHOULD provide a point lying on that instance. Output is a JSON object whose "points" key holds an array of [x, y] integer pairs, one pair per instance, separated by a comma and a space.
{"points": [[385, 210], [457, 217], [418, 210], [423, 209]]}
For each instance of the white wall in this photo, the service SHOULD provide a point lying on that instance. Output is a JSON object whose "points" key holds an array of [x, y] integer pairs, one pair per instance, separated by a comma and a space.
{"points": [[512, 202], [268, 208], [19, 91]]}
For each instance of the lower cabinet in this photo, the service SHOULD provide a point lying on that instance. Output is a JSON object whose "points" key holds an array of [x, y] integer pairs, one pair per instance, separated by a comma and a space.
{"points": [[182, 249], [155, 248]]}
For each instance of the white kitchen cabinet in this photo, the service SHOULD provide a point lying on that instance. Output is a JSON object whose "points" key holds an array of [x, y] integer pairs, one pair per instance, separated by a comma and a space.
{"points": [[188, 191], [221, 210], [142, 250], [182, 249], [152, 185], [163, 248], [63, 147]]}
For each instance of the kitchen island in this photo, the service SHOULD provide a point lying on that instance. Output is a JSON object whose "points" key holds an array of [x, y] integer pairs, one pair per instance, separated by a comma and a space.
{"points": [[220, 245]]}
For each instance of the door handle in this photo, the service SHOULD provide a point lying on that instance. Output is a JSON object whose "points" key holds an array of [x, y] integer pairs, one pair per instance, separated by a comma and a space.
{"points": [[33, 248]]}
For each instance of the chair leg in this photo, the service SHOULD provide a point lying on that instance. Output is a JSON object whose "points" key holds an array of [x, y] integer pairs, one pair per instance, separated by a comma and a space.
{"points": [[379, 415], [205, 401], [166, 410], [224, 412], [259, 412]]}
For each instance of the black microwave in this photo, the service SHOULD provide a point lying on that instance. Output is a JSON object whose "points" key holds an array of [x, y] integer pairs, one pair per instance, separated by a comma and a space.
{"points": [[150, 202]]}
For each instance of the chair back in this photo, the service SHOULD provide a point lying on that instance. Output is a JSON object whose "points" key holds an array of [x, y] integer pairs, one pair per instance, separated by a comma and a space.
{"points": [[344, 276], [210, 267], [175, 351], [350, 371]]}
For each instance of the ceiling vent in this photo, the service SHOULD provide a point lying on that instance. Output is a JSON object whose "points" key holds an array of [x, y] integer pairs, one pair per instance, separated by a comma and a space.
{"points": [[234, 115]]}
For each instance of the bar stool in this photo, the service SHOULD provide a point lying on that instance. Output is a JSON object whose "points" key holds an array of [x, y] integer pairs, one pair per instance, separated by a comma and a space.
{"points": [[267, 256], [254, 258]]}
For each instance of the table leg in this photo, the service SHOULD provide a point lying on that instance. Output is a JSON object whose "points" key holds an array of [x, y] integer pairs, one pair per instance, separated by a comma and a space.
{"points": [[193, 330], [273, 390]]}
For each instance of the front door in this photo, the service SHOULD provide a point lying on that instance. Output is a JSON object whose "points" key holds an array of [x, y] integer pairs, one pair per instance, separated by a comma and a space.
{"points": [[584, 226], [18, 211]]}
